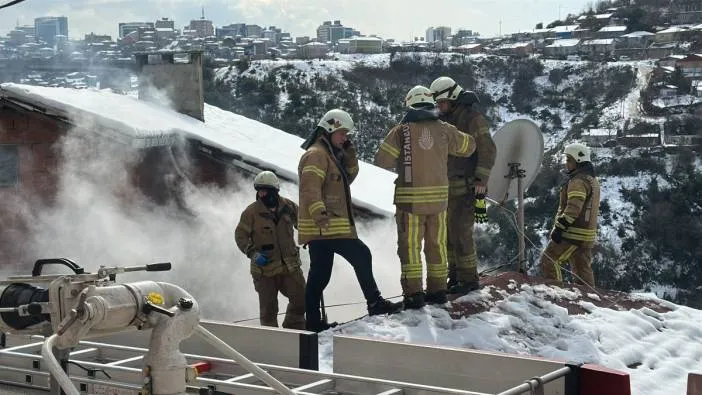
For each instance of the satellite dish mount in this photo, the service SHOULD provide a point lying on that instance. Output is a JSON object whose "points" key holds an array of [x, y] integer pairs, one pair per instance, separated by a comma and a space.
{"points": [[520, 150]]}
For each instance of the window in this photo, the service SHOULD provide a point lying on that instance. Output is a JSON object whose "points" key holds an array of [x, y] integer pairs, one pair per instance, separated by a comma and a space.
{"points": [[9, 165]]}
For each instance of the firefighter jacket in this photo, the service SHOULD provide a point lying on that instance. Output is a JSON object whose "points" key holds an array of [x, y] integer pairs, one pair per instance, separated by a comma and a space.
{"points": [[263, 230], [325, 176], [462, 171], [579, 206], [418, 148]]}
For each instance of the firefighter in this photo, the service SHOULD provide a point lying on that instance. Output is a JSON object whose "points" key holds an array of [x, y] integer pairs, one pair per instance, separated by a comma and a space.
{"points": [[575, 229], [418, 148], [326, 221], [265, 234], [468, 179]]}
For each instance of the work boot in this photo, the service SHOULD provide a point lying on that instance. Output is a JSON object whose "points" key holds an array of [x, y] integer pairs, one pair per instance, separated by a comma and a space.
{"points": [[384, 306], [451, 282], [438, 297], [414, 301], [319, 326], [464, 287]]}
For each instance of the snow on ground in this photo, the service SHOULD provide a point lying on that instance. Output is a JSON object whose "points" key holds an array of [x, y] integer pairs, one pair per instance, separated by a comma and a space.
{"points": [[657, 350]]}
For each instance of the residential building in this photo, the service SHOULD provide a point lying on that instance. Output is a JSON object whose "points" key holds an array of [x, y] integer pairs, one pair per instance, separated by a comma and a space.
{"points": [[128, 27], [202, 27], [611, 32], [439, 33], [685, 11], [638, 39], [598, 137], [313, 50], [669, 35], [332, 32], [47, 28], [598, 48], [562, 48], [254, 31], [691, 66], [365, 45], [302, 40], [469, 49], [165, 23], [520, 49], [232, 30], [564, 31]]}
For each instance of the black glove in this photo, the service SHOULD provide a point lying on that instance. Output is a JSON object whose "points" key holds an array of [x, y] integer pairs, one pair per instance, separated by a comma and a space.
{"points": [[557, 235], [480, 209]]}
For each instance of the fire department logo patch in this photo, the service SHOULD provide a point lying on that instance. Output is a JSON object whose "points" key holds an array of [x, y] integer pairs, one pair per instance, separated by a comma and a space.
{"points": [[425, 140]]}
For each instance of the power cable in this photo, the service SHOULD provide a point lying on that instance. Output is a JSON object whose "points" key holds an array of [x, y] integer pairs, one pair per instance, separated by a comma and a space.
{"points": [[14, 2]]}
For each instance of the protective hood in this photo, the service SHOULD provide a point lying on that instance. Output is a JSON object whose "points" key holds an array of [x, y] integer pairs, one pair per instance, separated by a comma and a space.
{"points": [[421, 114]]}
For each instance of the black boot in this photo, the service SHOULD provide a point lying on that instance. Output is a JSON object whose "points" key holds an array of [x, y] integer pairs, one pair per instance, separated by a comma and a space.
{"points": [[414, 301], [319, 326], [384, 306], [451, 282], [464, 287], [438, 297]]}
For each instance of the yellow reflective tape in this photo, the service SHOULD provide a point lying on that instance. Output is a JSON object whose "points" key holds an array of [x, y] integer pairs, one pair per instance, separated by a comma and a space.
{"points": [[565, 256], [482, 171], [390, 150], [421, 199], [443, 229], [577, 194], [316, 206], [464, 145], [568, 218], [422, 189], [314, 170]]}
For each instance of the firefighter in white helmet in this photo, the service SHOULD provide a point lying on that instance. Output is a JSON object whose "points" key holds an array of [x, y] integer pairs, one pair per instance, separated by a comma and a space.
{"points": [[575, 229], [326, 171], [418, 148], [468, 179], [265, 234]]}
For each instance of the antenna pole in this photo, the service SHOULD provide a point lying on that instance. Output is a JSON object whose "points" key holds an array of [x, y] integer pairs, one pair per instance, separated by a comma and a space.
{"points": [[516, 172]]}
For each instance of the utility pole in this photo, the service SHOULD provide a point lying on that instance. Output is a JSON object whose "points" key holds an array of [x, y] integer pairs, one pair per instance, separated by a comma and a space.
{"points": [[559, 12], [500, 31]]}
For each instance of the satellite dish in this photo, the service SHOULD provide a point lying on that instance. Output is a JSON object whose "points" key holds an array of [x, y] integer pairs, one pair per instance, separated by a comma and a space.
{"points": [[518, 142], [520, 150]]}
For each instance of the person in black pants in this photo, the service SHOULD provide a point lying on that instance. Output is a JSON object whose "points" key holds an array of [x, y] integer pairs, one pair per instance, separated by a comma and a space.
{"points": [[325, 218]]}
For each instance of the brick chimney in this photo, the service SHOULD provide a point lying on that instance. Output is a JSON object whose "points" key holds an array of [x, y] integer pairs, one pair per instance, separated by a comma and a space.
{"points": [[178, 75]]}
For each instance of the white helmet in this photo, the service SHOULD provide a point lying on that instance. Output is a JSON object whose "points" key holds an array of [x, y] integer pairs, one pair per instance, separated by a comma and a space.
{"points": [[578, 151], [336, 119], [445, 88], [267, 179], [419, 94]]}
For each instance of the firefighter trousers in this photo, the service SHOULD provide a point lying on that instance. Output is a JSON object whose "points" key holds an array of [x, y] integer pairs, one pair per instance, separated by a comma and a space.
{"points": [[558, 254], [412, 229], [462, 257], [321, 264], [292, 286]]}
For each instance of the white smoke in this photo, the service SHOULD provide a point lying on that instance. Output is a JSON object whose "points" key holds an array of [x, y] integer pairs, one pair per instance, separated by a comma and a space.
{"points": [[98, 218]]}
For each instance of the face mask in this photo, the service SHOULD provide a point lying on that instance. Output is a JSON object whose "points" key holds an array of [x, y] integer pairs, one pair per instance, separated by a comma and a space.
{"points": [[271, 198]]}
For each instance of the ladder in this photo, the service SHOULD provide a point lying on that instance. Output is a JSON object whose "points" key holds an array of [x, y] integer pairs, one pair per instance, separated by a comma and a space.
{"points": [[111, 369]]}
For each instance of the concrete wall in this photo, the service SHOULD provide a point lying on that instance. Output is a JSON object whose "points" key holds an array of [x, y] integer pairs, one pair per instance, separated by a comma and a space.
{"points": [[176, 85]]}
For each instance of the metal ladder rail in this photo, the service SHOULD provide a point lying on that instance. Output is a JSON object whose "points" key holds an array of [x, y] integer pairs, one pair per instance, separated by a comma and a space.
{"points": [[235, 380]]}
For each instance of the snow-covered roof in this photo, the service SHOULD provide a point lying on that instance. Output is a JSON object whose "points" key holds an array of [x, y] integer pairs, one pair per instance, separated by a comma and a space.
{"points": [[142, 123], [470, 46], [357, 38], [600, 41], [673, 29], [564, 28], [564, 43], [638, 34], [516, 45], [599, 132], [612, 29]]}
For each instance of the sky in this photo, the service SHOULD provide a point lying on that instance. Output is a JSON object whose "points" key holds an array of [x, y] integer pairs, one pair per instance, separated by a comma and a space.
{"points": [[398, 19]]}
